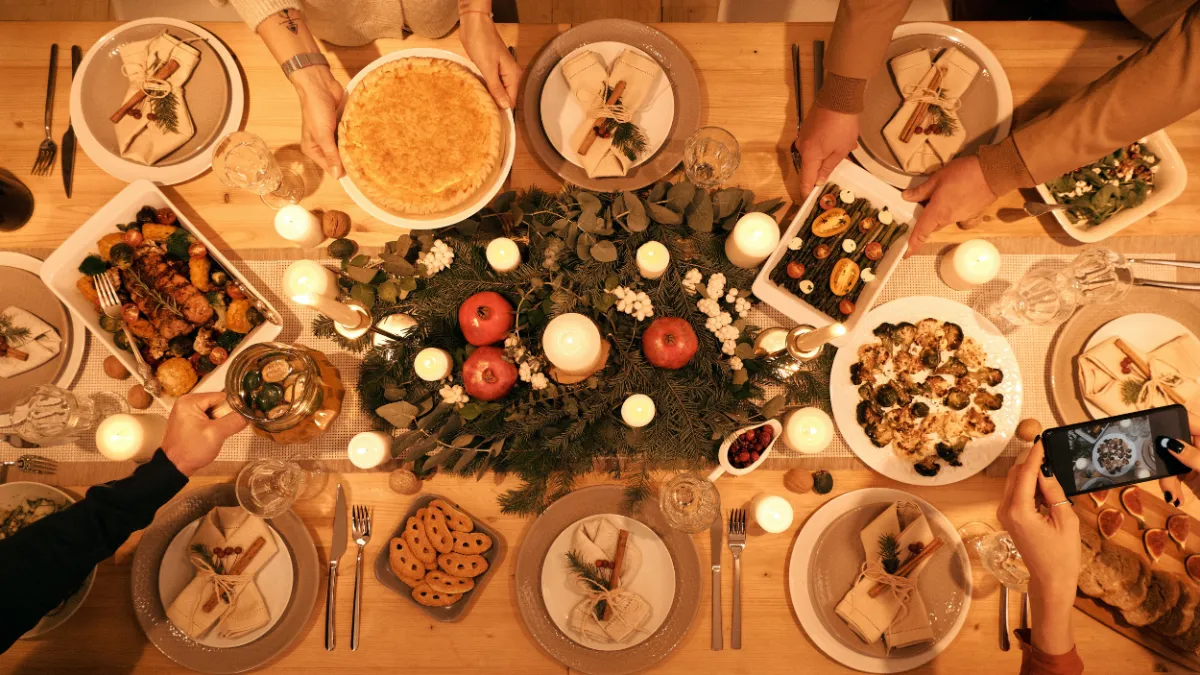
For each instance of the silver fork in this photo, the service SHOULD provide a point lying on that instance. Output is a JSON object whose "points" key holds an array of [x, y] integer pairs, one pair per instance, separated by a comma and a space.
{"points": [[47, 150], [360, 522], [33, 464], [737, 543], [111, 304]]}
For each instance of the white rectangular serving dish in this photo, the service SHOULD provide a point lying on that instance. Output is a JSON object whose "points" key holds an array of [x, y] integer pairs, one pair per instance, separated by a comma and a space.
{"points": [[848, 176], [61, 271], [1169, 183]]}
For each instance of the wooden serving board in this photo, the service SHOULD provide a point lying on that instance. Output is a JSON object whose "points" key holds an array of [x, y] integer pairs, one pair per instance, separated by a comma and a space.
{"points": [[1130, 537]]}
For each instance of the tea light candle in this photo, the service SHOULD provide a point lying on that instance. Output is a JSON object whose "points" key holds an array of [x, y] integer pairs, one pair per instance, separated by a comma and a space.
{"points": [[341, 313], [772, 513], [808, 430], [432, 364], [399, 325], [970, 264], [814, 339], [572, 343], [752, 240], [771, 341], [299, 226], [130, 437], [305, 276], [370, 449], [503, 254], [652, 259], [637, 410]]}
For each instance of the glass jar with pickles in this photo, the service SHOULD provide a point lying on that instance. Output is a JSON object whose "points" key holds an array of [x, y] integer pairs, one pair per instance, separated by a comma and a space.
{"points": [[290, 393]]}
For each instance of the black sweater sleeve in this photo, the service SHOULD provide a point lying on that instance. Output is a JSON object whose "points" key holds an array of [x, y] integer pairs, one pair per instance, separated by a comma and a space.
{"points": [[47, 561]]}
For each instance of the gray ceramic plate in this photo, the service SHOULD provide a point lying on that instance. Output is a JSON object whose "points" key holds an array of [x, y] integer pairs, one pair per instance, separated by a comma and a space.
{"points": [[534, 548], [494, 556], [21, 288], [176, 645], [675, 64]]}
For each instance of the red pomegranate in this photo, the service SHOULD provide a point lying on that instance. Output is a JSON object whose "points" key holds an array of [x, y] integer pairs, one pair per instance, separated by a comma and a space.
{"points": [[485, 318], [669, 343], [486, 375]]}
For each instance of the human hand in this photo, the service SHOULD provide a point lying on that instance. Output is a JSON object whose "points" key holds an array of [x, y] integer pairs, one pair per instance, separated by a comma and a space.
{"points": [[955, 192], [486, 48], [193, 439], [321, 97], [824, 140], [1171, 486]]}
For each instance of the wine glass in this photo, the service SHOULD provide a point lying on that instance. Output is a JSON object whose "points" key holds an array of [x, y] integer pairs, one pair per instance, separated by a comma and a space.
{"points": [[268, 487], [50, 415], [1042, 297], [710, 156], [243, 160], [1100, 275], [997, 553], [690, 502]]}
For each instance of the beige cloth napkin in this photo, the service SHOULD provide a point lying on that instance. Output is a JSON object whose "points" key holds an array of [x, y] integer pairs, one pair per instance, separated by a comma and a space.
{"points": [[144, 140], [913, 72], [596, 539], [1174, 365], [587, 77], [875, 618], [246, 610], [43, 343]]}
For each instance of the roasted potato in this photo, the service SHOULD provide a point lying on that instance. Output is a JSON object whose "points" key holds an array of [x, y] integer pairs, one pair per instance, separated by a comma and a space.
{"points": [[156, 232], [177, 376], [88, 290], [105, 243], [198, 269], [237, 318]]}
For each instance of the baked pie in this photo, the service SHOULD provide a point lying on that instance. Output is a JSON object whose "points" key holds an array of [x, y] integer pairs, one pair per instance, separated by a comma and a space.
{"points": [[420, 135]]}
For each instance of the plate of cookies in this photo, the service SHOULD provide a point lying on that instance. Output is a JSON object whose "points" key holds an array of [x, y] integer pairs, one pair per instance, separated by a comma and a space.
{"points": [[439, 557]]}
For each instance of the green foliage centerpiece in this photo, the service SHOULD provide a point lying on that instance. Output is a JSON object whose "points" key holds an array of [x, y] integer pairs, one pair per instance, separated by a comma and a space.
{"points": [[578, 256]]}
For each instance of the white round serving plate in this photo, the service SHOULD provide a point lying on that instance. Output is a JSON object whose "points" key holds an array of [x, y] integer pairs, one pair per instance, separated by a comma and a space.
{"points": [[483, 195], [563, 114], [274, 581], [989, 61], [12, 495], [1144, 332], [76, 341], [1133, 454], [800, 565], [128, 171], [655, 581], [980, 452]]}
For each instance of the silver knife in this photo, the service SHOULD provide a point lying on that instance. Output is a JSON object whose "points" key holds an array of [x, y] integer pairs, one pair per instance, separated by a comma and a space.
{"points": [[68, 141], [717, 532], [336, 549]]}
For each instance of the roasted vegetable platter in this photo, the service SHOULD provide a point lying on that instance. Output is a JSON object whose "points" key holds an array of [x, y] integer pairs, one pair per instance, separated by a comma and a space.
{"points": [[181, 297], [836, 255]]}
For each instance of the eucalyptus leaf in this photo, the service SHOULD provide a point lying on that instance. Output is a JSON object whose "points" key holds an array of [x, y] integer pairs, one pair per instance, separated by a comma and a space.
{"points": [[407, 283], [470, 410], [435, 416], [464, 440], [680, 195], [604, 252], [517, 215], [658, 191], [767, 206], [636, 220], [399, 414], [419, 449], [740, 377], [700, 215], [360, 261], [583, 249], [425, 405], [362, 275], [728, 201], [661, 214], [618, 205], [560, 226], [747, 198], [572, 235], [364, 295], [588, 202], [463, 461], [467, 227], [772, 408], [393, 393], [454, 424], [400, 268], [439, 458], [611, 282], [590, 222], [744, 350], [496, 446], [503, 201]]}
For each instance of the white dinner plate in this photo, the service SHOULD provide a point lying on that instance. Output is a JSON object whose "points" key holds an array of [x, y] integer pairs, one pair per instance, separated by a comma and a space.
{"points": [[274, 581], [1143, 332], [655, 581], [563, 114], [980, 452]]}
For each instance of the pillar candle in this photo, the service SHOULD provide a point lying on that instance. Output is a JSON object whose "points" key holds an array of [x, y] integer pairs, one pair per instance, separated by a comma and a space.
{"points": [[970, 264], [806, 342], [572, 343], [637, 410], [652, 259], [808, 430], [772, 513], [503, 254], [130, 437], [305, 276], [341, 313], [296, 224], [752, 240], [432, 364], [370, 449]]}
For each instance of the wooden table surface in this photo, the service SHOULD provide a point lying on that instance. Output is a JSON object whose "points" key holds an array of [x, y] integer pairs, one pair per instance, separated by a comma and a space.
{"points": [[745, 79]]}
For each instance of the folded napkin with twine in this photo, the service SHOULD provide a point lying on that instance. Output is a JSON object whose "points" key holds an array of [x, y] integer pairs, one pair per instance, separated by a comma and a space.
{"points": [[42, 344], [897, 615], [931, 90], [590, 82], [1111, 380], [239, 608], [164, 123], [596, 539]]}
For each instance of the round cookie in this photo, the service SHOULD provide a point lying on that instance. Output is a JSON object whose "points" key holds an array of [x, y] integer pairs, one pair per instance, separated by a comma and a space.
{"points": [[459, 565], [458, 521], [437, 531], [431, 598], [472, 543], [445, 583], [414, 534], [406, 565]]}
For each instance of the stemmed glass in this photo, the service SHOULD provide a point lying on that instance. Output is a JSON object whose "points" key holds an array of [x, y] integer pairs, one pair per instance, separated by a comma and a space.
{"points": [[710, 156], [690, 502], [268, 487], [997, 553], [50, 415], [243, 160], [1050, 296]]}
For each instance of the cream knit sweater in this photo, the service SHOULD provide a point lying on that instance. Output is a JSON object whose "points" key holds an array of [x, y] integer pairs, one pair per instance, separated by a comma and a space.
{"points": [[357, 22]]}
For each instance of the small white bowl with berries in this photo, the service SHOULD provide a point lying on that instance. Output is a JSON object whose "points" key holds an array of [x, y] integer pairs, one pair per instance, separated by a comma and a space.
{"points": [[745, 449]]}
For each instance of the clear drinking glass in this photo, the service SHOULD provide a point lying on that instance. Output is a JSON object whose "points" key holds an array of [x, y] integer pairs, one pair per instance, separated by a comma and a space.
{"points": [[243, 160], [690, 502], [268, 487], [1100, 275], [1041, 297], [50, 415], [710, 156], [997, 553]]}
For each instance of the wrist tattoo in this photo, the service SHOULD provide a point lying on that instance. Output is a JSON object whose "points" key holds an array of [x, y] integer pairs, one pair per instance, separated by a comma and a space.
{"points": [[287, 19]]}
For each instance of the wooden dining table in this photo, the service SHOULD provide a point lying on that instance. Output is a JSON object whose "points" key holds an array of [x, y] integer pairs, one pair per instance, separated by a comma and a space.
{"points": [[745, 80]]}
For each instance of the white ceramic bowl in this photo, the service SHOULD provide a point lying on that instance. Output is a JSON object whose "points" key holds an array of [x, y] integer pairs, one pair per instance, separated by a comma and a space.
{"points": [[1169, 183]]}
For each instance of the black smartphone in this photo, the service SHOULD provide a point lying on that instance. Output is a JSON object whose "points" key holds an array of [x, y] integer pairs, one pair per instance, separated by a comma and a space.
{"points": [[1116, 451]]}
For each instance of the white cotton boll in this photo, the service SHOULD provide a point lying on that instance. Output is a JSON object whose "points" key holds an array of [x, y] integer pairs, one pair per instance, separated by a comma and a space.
{"points": [[539, 381]]}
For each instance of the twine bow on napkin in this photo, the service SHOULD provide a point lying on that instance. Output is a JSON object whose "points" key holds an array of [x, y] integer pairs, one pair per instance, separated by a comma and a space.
{"points": [[1113, 375], [627, 612], [158, 122], [925, 132], [615, 96]]}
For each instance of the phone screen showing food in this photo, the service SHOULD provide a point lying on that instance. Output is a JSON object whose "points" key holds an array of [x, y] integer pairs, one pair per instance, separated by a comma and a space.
{"points": [[1116, 451]]}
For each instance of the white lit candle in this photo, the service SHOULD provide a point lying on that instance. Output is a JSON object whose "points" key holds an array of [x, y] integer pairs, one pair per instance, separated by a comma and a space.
{"points": [[572, 343], [305, 276], [370, 449], [130, 437], [432, 364], [637, 410], [752, 240], [814, 339], [808, 430], [296, 224], [772, 513], [970, 264], [340, 313], [771, 341], [652, 259], [503, 254], [399, 325]]}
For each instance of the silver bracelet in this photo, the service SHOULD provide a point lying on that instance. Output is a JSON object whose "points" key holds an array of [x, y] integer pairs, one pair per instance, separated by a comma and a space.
{"points": [[302, 61]]}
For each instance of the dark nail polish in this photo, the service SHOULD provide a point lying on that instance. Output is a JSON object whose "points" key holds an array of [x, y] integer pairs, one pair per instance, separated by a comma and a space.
{"points": [[1037, 438], [1046, 471], [1167, 496], [1172, 444], [1176, 502]]}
